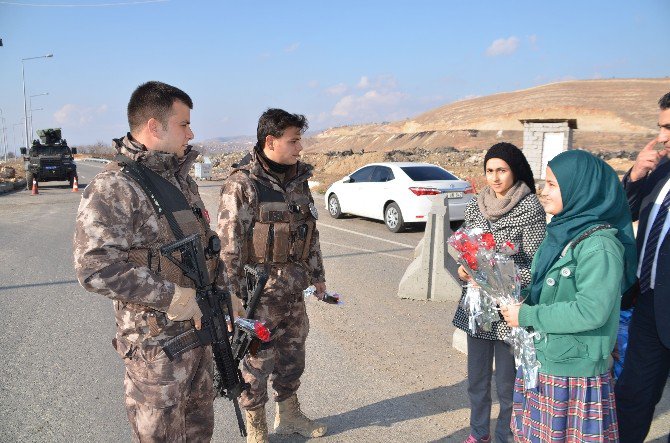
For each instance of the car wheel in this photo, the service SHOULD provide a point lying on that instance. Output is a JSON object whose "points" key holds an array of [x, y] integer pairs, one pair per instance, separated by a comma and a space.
{"points": [[334, 206], [29, 180], [393, 218]]}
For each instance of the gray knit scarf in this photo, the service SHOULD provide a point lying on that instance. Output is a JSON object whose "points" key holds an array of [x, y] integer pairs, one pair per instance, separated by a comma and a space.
{"points": [[492, 208]]}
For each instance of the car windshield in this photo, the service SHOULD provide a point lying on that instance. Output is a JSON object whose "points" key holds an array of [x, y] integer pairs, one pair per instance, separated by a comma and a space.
{"points": [[49, 150], [427, 173]]}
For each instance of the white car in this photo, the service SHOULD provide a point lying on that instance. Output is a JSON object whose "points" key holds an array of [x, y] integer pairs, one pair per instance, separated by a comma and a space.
{"points": [[397, 193]]}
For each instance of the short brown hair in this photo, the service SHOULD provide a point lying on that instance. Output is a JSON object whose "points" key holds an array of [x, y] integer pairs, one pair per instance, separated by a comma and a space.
{"points": [[154, 100]]}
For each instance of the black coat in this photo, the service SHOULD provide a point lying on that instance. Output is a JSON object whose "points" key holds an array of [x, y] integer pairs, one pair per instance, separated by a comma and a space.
{"points": [[641, 197]]}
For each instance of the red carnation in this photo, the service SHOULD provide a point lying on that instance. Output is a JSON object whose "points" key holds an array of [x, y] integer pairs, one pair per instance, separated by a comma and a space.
{"points": [[471, 260], [262, 332], [488, 241]]}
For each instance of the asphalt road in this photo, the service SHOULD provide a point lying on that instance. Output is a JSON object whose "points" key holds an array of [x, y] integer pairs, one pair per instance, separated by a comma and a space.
{"points": [[379, 368]]}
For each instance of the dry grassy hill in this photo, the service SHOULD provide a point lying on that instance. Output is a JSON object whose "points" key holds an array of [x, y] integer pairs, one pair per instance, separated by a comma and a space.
{"points": [[611, 114]]}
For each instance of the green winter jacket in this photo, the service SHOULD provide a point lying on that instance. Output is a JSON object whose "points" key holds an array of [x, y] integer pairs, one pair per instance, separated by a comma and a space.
{"points": [[578, 310]]}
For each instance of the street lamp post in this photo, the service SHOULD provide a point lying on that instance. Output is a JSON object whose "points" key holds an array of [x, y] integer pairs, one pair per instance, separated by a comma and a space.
{"points": [[30, 107], [25, 107], [31, 117], [14, 135], [4, 132]]}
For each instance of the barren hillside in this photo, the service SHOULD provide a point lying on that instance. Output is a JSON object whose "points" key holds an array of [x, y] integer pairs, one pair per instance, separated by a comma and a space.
{"points": [[610, 114]]}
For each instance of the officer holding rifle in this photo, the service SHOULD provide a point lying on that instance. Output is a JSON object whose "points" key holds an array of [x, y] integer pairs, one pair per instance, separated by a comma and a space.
{"points": [[142, 201]]}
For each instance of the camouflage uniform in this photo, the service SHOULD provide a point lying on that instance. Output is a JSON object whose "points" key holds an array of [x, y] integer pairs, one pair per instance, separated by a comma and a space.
{"points": [[116, 254], [292, 268]]}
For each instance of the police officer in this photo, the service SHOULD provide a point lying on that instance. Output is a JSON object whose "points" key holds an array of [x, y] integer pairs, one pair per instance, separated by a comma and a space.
{"points": [[267, 218], [118, 234]]}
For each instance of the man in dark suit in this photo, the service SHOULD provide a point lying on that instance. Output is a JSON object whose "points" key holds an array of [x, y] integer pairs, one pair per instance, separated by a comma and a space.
{"points": [[647, 360]]}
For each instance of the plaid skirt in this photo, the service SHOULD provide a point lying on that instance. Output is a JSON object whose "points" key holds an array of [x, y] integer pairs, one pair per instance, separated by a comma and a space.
{"points": [[565, 409]]}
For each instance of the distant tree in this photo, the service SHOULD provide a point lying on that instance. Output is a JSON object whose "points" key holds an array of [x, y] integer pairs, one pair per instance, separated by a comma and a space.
{"points": [[99, 149]]}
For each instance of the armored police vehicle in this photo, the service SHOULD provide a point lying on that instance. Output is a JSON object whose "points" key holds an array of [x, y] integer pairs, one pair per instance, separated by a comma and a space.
{"points": [[49, 158]]}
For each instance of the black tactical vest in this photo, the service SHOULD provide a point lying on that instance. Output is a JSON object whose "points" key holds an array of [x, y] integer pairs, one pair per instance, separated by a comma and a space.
{"points": [[282, 230]]}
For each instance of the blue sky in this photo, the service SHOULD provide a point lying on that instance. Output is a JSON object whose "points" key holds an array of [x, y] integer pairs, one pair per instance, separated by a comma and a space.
{"points": [[338, 62]]}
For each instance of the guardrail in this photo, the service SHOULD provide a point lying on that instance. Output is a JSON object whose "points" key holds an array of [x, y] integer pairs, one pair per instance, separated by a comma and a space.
{"points": [[92, 159]]}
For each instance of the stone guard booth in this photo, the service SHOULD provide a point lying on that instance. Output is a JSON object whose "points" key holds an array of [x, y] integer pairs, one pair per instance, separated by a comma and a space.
{"points": [[544, 139]]}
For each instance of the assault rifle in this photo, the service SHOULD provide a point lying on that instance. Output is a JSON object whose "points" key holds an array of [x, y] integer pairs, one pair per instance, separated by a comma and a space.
{"points": [[216, 308], [243, 343]]}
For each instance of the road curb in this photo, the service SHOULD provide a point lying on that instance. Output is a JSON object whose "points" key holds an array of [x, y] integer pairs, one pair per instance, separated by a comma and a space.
{"points": [[12, 186], [459, 341]]}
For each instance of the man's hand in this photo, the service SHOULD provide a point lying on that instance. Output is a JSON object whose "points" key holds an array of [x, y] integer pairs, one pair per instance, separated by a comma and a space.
{"points": [[646, 161], [462, 274], [184, 306], [320, 288], [238, 307], [238, 311]]}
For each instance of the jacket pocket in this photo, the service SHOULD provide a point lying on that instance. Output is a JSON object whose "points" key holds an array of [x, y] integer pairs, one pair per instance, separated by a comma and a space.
{"points": [[563, 348]]}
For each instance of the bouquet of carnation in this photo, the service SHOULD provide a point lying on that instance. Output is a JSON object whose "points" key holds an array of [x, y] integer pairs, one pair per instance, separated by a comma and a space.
{"points": [[493, 270]]}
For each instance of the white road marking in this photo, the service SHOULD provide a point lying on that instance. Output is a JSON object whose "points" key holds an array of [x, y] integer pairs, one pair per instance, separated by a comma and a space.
{"points": [[367, 235], [363, 249]]}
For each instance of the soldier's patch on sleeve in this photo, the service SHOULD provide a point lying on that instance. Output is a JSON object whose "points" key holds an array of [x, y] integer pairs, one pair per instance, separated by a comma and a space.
{"points": [[312, 209]]}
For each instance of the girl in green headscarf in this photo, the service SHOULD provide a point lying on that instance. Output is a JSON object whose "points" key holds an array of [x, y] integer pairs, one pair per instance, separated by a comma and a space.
{"points": [[586, 260]]}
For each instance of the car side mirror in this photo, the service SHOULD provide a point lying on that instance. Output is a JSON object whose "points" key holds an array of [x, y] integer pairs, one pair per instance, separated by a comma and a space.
{"points": [[346, 179], [74, 150], [23, 151]]}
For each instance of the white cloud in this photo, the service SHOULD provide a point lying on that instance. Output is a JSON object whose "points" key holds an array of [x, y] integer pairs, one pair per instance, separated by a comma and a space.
{"points": [[503, 46], [380, 82], [313, 84], [292, 47], [532, 39], [337, 89], [368, 106], [77, 115], [363, 83]]}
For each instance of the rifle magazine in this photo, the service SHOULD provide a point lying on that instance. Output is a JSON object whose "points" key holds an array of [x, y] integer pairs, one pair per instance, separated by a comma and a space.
{"points": [[183, 342]]}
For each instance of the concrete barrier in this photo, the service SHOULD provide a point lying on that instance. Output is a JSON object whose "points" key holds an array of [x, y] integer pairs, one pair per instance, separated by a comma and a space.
{"points": [[432, 273], [11, 186]]}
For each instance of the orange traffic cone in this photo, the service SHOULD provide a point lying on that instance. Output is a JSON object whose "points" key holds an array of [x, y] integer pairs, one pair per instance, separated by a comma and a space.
{"points": [[35, 191], [75, 185]]}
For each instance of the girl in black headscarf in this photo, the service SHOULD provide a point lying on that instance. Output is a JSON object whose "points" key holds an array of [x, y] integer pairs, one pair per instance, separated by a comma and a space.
{"points": [[509, 209]]}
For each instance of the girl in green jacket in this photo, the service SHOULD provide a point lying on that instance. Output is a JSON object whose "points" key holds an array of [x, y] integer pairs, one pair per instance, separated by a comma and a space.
{"points": [[587, 258]]}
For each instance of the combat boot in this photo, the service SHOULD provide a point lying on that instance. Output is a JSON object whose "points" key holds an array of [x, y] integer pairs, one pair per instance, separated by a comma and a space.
{"points": [[257, 426], [289, 419]]}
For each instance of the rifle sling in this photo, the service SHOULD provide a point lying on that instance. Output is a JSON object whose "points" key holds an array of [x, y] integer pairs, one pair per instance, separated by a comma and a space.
{"points": [[165, 197]]}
